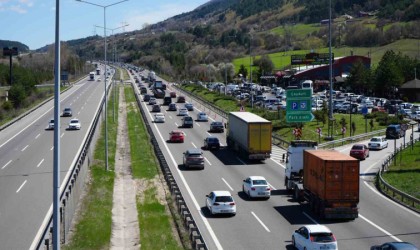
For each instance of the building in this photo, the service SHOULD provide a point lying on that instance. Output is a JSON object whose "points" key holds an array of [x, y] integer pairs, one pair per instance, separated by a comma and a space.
{"points": [[411, 90]]}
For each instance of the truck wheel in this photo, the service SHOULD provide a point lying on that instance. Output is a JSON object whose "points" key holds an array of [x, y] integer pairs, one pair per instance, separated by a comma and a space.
{"points": [[296, 194], [286, 180]]}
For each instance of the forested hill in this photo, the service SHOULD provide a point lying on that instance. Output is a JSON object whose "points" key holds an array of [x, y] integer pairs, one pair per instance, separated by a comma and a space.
{"points": [[22, 48]]}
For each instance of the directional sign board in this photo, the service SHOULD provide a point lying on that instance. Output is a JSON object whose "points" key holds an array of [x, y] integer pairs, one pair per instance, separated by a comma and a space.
{"points": [[299, 108]]}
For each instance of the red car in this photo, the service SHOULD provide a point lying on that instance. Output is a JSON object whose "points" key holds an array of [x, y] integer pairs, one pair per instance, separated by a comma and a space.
{"points": [[172, 94], [181, 99], [359, 151], [176, 136]]}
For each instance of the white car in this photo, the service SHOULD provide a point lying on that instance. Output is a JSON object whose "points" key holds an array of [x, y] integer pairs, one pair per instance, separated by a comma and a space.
{"points": [[256, 186], [221, 202], [378, 142], [202, 117], [152, 101], [51, 124], [74, 124], [314, 237], [159, 117], [182, 111]]}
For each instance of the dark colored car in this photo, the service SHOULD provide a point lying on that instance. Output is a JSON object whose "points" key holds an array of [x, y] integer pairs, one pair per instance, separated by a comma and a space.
{"points": [[359, 151], [187, 122], [156, 108], [394, 131], [172, 107], [143, 90], [173, 94], [217, 127], [167, 100], [67, 112], [181, 99], [193, 158], [395, 246], [146, 97], [211, 142]]}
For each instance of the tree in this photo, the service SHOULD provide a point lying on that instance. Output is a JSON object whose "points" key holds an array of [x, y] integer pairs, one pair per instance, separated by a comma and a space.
{"points": [[388, 75], [17, 95], [359, 79], [243, 71], [265, 65]]}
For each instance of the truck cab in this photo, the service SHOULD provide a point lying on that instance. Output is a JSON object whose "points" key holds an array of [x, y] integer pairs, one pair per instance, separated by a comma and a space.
{"points": [[294, 161]]}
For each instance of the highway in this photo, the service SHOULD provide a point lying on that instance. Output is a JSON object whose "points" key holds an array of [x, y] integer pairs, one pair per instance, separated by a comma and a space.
{"points": [[26, 162], [269, 224]]}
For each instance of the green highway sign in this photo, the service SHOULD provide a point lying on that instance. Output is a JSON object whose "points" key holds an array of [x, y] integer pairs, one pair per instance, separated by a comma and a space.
{"points": [[293, 94], [303, 117]]}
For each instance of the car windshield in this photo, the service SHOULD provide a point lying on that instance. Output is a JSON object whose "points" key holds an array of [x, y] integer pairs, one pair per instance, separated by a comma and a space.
{"points": [[67, 109], [375, 139], [212, 140], [224, 199], [74, 121], [217, 124], [259, 182], [194, 155], [322, 237], [188, 118], [357, 147], [176, 133]]}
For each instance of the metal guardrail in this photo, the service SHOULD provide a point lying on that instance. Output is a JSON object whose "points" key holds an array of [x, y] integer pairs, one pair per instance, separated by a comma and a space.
{"points": [[356, 138], [390, 191], [190, 225]]}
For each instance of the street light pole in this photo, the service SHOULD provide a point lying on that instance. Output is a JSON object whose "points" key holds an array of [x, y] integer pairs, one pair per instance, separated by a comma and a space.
{"points": [[330, 104], [106, 66]]}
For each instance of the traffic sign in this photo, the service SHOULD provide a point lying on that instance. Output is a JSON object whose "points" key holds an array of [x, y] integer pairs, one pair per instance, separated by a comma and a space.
{"points": [[343, 130], [300, 117], [364, 110], [298, 93], [298, 105], [319, 130]]}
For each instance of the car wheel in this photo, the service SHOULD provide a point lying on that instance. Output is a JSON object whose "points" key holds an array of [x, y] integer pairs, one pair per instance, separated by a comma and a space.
{"points": [[249, 195]]}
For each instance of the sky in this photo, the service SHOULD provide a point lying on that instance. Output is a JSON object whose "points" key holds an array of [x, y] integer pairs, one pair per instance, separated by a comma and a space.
{"points": [[32, 22]]}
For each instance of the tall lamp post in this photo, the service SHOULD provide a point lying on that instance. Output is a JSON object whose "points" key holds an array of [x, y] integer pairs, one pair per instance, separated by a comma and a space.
{"points": [[330, 103], [106, 66]]}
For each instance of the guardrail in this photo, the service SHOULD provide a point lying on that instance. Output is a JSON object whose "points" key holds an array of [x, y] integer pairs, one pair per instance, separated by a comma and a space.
{"points": [[390, 191], [189, 223], [356, 138]]}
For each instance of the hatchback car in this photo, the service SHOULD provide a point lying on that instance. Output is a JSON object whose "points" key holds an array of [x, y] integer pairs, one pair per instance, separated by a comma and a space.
{"points": [[156, 108], [211, 142], [193, 158], [256, 186], [146, 97], [378, 142], [189, 106], [221, 202], [152, 101], [187, 122], [359, 151], [182, 112], [217, 127], [202, 117], [176, 136], [67, 112], [74, 124], [159, 118], [395, 246], [314, 237], [172, 107], [181, 99]]}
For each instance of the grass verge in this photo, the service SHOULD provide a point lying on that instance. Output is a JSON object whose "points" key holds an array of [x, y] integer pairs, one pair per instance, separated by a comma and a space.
{"points": [[154, 219], [93, 229]]}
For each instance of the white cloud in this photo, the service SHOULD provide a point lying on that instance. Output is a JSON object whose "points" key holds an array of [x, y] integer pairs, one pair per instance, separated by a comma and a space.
{"points": [[18, 9], [28, 3]]}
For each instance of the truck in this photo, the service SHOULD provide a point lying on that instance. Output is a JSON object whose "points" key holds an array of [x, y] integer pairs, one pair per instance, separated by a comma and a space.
{"points": [[92, 76], [151, 76], [327, 179], [98, 71], [249, 135]]}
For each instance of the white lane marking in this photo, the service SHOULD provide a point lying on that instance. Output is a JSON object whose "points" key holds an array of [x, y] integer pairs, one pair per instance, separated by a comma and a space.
{"points": [[21, 186], [78, 113], [278, 163], [193, 145], [221, 145], [5, 165], [380, 228], [39, 164], [227, 184], [23, 149], [197, 124], [190, 193], [271, 186], [52, 148], [83, 107], [207, 161], [170, 116], [239, 159], [36, 137], [176, 124], [62, 135], [391, 201], [309, 217], [262, 224], [208, 133]]}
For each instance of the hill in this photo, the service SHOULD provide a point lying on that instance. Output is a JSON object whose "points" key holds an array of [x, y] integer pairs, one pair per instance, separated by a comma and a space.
{"points": [[22, 48]]}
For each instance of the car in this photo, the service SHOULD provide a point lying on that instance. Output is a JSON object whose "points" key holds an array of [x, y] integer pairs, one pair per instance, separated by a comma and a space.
{"points": [[74, 124], [99, 79], [394, 131], [51, 124], [172, 107], [359, 151], [187, 122], [202, 117], [159, 117], [189, 106], [217, 127], [211, 142], [180, 99], [167, 100], [314, 237], [143, 90], [152, 101], [172, 94], [378, 109], [182, 112], [176, 136], [256, 186], [378, 142], [146, 97], [193, 158], [220, 202], [156, 108], [394, 246], [67, 112]]}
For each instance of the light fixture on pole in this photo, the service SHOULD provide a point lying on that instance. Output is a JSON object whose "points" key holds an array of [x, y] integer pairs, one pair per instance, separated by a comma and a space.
{"points": [[105, 71]]}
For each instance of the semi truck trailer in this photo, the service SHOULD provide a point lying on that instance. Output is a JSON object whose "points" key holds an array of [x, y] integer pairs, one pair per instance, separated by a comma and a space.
{"points": [[249, 135]]}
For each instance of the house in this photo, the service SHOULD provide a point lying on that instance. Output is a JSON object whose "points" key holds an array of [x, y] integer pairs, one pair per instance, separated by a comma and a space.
{"points": [[411, 90]]}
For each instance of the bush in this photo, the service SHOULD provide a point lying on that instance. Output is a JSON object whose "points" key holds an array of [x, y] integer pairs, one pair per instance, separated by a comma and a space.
{"points": [[7, 106]]}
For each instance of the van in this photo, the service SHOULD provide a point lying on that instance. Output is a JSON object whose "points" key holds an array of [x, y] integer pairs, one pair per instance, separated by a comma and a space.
{"points": [[394, 131]]}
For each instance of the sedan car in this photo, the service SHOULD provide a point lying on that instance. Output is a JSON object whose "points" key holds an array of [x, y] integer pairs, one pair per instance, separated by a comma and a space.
{"points": [[146, 97], [51, 124], [152, 101], [189, 106], [67, 112], [181, 99], [172, 107], [159, 118], [256, 186], [314, 237], [182, 112], [187, 122], [74, 124], [156, 108], [172, 94], [217, 127], [176, 136], [378, 142], [220, 202], [395, 246], [193, 158], [359, 151], [211, 142], [202, 117]]}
